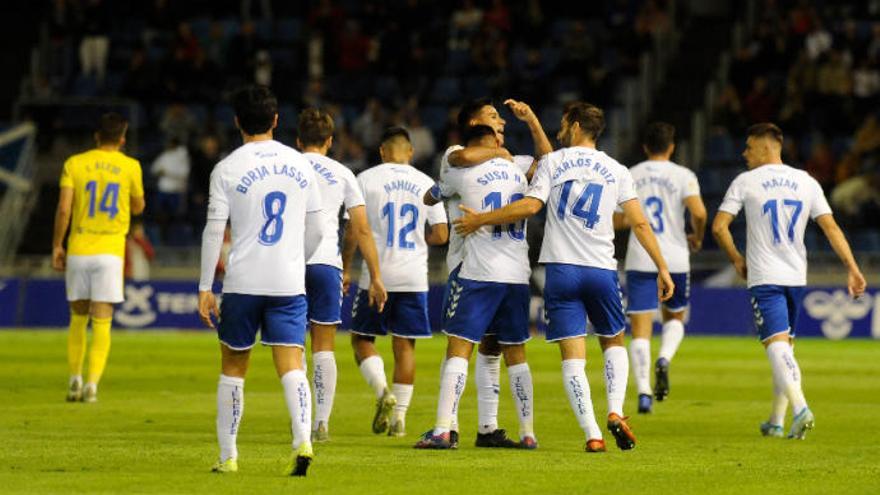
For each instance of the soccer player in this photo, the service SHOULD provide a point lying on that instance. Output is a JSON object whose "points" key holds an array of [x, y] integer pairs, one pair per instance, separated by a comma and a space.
{"points": [[581, 187], [393, 192], [778, 201], [271, 197], [100, 190], [491, 290], [488, 361], [665, 190], [324, 269]]}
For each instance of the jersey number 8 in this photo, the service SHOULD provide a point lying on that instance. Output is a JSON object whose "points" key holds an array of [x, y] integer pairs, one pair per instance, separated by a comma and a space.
{"points": [[273, 207]]}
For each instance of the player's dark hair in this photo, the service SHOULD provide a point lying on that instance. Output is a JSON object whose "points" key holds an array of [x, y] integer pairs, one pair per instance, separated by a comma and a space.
{"points": [[477, 132], [255, 107], [111, 128], [469, 110], [395, 132], [659, 136], [314, 127], [589, 117], [766, 129]]}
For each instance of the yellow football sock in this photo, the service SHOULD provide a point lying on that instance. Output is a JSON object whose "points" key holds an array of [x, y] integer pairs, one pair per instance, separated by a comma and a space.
{"points": [[99, 349], [76, 343]]}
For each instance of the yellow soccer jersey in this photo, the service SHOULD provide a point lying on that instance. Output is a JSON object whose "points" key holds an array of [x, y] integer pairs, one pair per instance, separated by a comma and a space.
{"points": [[103, 184]]}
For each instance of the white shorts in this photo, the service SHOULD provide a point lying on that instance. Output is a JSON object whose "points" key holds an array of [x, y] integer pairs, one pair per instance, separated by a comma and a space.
{"points": [[95, 278]]}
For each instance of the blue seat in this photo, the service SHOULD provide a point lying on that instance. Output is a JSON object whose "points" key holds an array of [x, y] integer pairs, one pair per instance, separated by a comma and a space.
{"points": [[288, 30]]}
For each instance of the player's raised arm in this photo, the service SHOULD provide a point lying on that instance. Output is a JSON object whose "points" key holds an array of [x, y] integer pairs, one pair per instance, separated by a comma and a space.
{"points": [[523, 112], [632, 211], [699, 219], [361, 233], [855, 280]]}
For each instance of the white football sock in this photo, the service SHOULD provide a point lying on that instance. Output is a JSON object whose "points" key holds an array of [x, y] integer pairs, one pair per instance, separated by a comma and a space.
{"points": [[299, 404], [487, 376], [452, 385], [230, 407], [403, 392], [673, 333], [578, 390], [454, 424], [640, 354], [787, 371], [616, 374], [324, 384], [780, 403], [373, 370], [524, 397]]}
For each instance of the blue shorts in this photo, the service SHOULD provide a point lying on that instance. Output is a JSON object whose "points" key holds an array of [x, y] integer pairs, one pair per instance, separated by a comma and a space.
{"points": [[405, 315], [641, 292], [776, 309], [476, 308], [324, 293], [281, 320], [574, 293]]}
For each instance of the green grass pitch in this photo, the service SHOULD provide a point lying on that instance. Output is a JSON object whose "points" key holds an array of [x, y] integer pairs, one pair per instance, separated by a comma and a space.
{"points": [[153, 429]]}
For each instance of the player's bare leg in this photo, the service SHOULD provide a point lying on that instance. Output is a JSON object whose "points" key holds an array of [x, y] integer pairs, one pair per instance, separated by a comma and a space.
{"points": [[324, 374], [402, 385], [640, 354], [523, 393], [76, 348], [373, 370], [616, 374], [573, 352]]}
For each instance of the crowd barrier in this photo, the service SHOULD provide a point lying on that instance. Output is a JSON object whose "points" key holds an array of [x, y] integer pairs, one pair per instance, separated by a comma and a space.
{"points": [[827, 311]]}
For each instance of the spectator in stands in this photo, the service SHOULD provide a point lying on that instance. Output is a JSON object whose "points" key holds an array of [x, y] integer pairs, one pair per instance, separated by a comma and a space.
{"points": [[205, 155], [369, 126], [247, 7], [172, 168], [760, 104], [139, 252], [354, 49], [216, 44], [857, 199], [821, 165], [424, 147], [95, 43], [177, 123], [818, 41], [463, 24], [263, 68], [141, 78]]}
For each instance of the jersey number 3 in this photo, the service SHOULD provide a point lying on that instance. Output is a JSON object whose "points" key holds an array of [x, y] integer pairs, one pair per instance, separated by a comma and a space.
{"points": [[273, 207]]}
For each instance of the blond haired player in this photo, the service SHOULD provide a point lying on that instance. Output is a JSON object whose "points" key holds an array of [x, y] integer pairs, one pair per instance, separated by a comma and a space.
{"points": [[100, 190]]}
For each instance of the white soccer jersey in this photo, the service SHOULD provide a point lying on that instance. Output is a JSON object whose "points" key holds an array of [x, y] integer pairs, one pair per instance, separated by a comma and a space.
{"points": [[581, 188], [264, 189], [397, 214], [338, 188], [662, 187], [778, 199], [493, 253], [454, 251]]}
